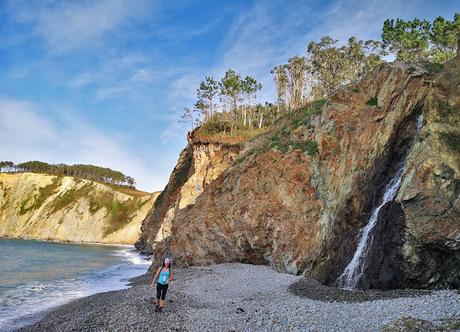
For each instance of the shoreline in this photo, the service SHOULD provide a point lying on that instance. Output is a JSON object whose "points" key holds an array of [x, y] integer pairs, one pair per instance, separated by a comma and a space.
{"points": [[124, 245], [26, 321], [27, 300], [244, 298]]}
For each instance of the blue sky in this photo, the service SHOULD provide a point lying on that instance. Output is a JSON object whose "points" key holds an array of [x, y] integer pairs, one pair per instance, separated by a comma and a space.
{"points": [[104, 82]]}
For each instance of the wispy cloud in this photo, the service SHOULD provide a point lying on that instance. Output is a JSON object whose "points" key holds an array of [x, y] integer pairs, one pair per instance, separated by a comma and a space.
{"points": [[33, 135], [109, 92], [69, 25], [144, 75], [362, 19], [179, 33]]}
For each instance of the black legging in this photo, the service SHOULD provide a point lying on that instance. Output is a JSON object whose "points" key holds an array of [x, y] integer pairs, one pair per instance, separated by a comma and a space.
{"points": [[161, 291]]}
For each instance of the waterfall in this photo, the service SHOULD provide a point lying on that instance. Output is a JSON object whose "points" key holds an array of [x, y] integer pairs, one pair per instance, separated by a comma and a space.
{"points": [[355, 269]]}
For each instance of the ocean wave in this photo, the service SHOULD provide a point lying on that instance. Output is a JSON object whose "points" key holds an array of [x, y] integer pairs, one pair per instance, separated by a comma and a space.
{"points": [[24, 300], [133, 257]]}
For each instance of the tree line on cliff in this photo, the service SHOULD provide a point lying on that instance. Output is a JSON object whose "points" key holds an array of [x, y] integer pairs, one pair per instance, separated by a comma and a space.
{"points": [[89, 172], [230, 104]]}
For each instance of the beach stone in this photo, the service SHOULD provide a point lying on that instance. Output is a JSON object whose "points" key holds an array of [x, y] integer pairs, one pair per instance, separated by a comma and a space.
{"points": [[269, 301]]}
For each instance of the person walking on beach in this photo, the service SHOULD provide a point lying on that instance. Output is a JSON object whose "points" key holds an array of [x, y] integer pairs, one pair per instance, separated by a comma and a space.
{"points": [[163, 276]]}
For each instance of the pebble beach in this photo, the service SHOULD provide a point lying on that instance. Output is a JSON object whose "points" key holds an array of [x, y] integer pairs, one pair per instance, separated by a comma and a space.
{"points": [[241, 297]]}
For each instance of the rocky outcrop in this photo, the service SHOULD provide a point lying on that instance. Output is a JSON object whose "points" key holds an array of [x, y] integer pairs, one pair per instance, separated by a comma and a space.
{"points": [[49, 207], [301, 210], [199, 164]]}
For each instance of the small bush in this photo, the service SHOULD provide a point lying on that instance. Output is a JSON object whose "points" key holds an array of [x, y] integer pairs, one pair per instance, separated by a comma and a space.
{"points": [[216, 124], [297, 123], [355, 90], [314, 107], [260, 150], [240, 159], [312, 147], [283, 148], [373, 102], [444, 108], [433, 67], [452, 141]]}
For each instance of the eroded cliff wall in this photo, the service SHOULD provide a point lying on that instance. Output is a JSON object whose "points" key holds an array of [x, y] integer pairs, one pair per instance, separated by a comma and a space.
{"points": [[65, 208]]}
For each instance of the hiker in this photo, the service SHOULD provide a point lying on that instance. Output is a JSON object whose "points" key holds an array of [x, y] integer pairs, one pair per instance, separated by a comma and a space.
{"points": [[163, 276]]}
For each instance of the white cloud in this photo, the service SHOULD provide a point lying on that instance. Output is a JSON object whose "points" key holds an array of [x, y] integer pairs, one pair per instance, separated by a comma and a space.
{"points": [[69, 25], [27, 133]]}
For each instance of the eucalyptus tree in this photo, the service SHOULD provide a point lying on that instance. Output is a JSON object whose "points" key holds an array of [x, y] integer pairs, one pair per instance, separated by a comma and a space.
{"points": [[281, 81], [206, 93], [249, 88], [422, 40], [296, 69], [332, 66], [188, 116], [130, 181], [443, 37], [408, 40], [230, 92], [6, 166]]}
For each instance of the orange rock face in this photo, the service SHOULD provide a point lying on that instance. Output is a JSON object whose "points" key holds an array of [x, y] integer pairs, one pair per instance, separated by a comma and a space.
{"points": [[301, 211], [199, 163]]}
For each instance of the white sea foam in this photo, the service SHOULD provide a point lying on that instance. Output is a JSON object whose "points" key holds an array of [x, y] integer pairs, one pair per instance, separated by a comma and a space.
{"points": [[133, 257], [25, 300]]}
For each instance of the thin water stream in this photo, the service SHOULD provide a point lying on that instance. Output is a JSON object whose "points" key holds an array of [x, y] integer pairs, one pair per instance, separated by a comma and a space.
{"points": [[354, 271]]}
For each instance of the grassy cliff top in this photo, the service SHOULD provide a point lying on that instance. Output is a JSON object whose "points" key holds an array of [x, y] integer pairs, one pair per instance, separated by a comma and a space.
{"points": [[204, 135]]}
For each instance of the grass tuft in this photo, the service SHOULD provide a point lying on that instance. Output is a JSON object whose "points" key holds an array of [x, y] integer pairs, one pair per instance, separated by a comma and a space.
{"points": [[373, 102], [433, 67]]}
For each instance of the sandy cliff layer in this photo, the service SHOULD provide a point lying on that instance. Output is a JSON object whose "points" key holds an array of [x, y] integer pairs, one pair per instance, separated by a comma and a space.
{"points": [[301, 211], [49, 207], [199, 164]]}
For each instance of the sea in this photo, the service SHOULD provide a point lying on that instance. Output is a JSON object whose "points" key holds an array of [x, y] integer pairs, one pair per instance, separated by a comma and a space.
{"points": [[38, 275]]}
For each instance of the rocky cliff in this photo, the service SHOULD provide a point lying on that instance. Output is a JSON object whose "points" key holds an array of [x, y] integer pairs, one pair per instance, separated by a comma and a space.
{"points": [[65, 208], [199, 163], [298, 197]]}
